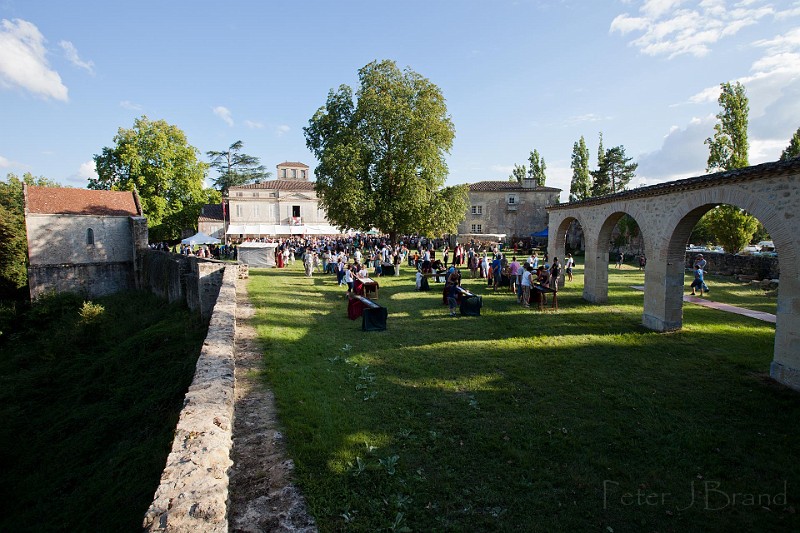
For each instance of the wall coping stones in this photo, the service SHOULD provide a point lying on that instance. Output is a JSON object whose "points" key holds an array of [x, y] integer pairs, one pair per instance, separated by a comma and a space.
{"points": [[193, 492]]}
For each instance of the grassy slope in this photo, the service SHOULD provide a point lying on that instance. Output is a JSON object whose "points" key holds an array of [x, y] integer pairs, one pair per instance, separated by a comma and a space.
{"points": [[520, 420], [89, 410]]}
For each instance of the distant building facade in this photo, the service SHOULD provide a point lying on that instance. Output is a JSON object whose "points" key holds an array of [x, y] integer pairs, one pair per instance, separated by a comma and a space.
{"points": [[508, 208], [287, 205], [82, 240], [289, 170], [211, 221]]}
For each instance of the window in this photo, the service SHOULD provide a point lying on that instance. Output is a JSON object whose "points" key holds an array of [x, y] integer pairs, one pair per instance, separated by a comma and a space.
{"points": [[294, 172], [283, 172], [303, 174], [239, 211], [295, 210], [90, 236], [512, 199], [273, 195], [476, 228], [239, 193], [477, 209], [256, 211], [255, 195]]}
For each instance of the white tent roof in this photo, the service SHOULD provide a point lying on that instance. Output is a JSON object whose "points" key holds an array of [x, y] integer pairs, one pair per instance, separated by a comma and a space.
{"points": [[200, 238], [274, 229]]}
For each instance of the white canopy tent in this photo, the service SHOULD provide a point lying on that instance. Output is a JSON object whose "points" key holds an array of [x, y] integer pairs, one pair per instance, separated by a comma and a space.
{"points": [[257, 254], [200, 238]]}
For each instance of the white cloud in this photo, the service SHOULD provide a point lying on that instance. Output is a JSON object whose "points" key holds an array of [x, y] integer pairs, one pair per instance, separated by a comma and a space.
{"points": [[23, 61], [588, 117], [682, 154], [225, 114], [71, 53], [253, 125], [282, 129], [127, 104], [668, 28], [87, 170]]}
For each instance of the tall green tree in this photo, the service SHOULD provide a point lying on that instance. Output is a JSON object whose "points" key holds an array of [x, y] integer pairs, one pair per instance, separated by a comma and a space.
{"points": [[793, 150], [155, 159], [381, 155], [580, 186], [13, 240], [235, 168], [614, 173], [733, 228], [537, 168], [518, 174], [601, 154], [728, 148]]}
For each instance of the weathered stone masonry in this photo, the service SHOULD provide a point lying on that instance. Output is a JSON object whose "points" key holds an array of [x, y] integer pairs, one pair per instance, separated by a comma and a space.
{"points": [[666, 214]]}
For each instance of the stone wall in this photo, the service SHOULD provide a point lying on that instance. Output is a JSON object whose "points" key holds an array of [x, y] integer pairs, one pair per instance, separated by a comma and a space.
{"points": [[193, 492], [183, 278], [762, 267], [89, 279]]}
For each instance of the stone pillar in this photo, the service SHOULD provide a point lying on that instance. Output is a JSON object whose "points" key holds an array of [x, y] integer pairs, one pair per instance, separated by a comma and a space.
{"points": [[785, 367], [663, 293], [595, 272], [139, 237]]}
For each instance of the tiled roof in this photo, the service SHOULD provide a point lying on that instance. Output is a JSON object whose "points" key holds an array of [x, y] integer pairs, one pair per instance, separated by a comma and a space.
{"points": [[506, 186], [66, 201], [791, 166], [211, 213], [278, 185], [292, 164]]}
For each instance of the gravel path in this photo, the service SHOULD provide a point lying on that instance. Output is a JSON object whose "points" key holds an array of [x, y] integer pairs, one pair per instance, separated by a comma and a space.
{"points": [[262, 496]]}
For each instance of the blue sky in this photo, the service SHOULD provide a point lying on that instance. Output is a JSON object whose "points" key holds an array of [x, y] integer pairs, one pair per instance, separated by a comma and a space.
{"points": [[517, 75]]}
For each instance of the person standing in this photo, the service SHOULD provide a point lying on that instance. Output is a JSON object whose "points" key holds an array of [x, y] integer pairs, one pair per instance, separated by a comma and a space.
{"points": [[570, 262], [555, 273], [700, 263], [526, 285]]}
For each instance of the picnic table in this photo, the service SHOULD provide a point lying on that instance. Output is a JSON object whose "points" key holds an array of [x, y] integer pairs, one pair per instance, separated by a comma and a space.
{"points": [[366, 287]]}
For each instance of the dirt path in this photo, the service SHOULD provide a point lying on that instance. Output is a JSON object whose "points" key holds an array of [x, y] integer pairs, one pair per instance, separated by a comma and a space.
{"points": [[261, 494]]}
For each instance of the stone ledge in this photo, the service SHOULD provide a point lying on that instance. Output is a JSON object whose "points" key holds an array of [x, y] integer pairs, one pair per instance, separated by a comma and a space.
{"points": [[193, 492]]}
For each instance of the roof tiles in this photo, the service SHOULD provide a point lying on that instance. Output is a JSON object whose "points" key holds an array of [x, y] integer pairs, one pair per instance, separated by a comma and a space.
{"points": [[67, 201]]}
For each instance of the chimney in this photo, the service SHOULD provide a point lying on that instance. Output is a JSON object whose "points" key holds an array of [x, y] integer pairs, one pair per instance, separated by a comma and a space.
{"points": [[528, 183]]}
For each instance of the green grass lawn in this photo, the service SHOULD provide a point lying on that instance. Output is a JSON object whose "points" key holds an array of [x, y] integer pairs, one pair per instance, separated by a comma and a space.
{"points": [[88, 405], [520, 420]]}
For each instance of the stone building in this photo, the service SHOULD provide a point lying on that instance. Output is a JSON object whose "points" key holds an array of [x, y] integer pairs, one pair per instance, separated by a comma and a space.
{"points": [[508, 208], [292, 170], [287, 205], [81, 240], [211, 221]]}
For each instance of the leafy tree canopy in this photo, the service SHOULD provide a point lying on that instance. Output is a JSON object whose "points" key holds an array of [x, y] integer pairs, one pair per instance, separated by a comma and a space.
{"points": [[733, 228], [728, 148], [614, 173], [793, 150], [537, 168], [381, 156], [155, 159], [580, 186], [518, 174], [13, 240], [235, 168]]}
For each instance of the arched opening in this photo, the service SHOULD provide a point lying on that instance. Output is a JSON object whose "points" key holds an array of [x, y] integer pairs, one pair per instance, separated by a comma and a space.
{"points": [[726, 242], [90, 237]]}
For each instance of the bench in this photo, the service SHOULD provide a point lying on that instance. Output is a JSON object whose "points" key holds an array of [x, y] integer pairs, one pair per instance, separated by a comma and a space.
{"points": [[538, 291], [373, 316]]}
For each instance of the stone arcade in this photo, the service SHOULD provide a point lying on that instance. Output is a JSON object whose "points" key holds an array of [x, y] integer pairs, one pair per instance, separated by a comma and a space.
{"points": [[666, 214]]}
